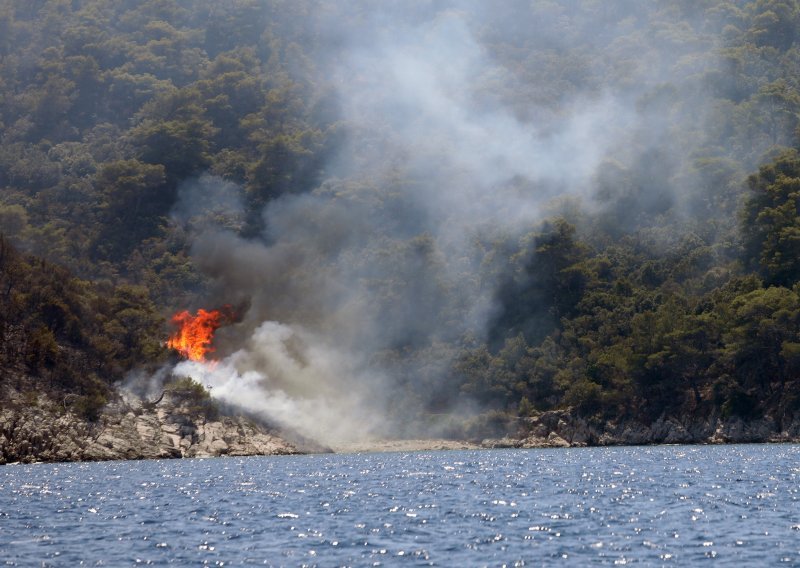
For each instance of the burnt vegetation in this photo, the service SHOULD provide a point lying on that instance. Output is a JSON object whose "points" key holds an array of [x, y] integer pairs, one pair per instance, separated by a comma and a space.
{"points": [[676, 292]]}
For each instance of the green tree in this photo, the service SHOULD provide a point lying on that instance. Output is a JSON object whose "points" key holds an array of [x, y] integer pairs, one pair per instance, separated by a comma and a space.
{"points": [[771, 220], [135, 198], [547, 284], [181, 143], [759, 346]]}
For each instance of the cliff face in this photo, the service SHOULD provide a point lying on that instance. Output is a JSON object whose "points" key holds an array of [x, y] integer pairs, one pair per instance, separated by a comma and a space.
{"points": [[561, 428], [38, 428]]}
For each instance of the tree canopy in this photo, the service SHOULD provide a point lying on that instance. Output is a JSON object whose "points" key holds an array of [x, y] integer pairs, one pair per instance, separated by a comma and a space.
{"points": [[667, 282]]}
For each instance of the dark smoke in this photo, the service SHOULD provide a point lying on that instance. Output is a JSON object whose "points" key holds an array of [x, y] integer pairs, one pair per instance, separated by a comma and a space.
{"points": [[450, 145]]}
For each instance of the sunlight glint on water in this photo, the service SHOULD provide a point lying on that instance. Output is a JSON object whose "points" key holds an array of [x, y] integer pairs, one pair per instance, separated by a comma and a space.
{"points": [[659, 505]]}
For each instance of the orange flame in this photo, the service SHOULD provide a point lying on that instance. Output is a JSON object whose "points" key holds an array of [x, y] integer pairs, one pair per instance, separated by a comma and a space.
{"points": [[195, 333]]}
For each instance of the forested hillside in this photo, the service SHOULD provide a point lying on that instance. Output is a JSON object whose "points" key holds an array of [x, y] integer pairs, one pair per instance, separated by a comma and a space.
{"points": [[425, 213]]}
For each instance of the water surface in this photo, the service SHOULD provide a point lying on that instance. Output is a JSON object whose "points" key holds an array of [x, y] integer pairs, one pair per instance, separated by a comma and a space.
{"points": [[667, 505]]}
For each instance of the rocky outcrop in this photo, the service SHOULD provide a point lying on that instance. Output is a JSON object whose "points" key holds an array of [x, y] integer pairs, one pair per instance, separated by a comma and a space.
{"points": [[562, 428], [38, 428]]}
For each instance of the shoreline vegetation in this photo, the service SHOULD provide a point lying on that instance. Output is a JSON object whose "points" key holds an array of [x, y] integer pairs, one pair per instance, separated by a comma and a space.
{"points": [[543, 224]]}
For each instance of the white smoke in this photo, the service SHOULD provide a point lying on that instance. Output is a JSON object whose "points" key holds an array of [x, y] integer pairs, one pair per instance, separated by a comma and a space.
{"points": [[387, 258], [290, 378], [475, 162]]}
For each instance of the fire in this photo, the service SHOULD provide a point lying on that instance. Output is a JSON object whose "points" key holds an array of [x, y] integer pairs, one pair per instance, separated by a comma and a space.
{"points": [[195, 333]]}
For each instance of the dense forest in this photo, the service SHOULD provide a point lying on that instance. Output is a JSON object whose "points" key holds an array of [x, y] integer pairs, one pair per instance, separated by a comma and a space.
{"points": [[425, 213]]}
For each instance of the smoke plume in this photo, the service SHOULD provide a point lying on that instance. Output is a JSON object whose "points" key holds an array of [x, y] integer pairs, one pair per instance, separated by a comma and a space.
{"points": [[357, 291]]}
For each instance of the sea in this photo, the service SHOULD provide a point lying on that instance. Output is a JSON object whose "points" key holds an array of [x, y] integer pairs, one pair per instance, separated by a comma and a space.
{"points": [[653, 506]]}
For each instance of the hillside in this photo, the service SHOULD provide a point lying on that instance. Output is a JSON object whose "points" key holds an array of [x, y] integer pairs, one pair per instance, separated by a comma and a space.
{"points": [[429, 218]]}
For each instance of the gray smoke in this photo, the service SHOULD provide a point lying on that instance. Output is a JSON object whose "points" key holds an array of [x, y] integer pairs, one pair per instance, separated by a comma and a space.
{"points": [[388, 257]]}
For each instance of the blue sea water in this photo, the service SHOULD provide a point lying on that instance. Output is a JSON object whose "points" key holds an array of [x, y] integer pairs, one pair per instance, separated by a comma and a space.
{"points": [[666, 505]]}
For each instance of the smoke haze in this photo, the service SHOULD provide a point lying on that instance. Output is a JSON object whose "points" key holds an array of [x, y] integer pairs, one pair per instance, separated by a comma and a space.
{"points": [[356, 288]]}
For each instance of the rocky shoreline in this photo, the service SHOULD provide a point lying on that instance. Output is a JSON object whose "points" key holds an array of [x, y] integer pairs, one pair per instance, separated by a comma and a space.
{"points": [[40, 429], [562, 429], [418, 445]]}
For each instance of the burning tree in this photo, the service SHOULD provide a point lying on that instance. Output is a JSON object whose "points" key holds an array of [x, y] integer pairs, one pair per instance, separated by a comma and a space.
{"points": [[196, 332]]}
